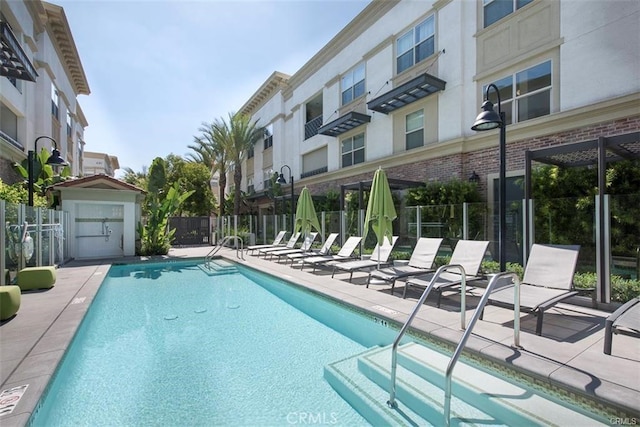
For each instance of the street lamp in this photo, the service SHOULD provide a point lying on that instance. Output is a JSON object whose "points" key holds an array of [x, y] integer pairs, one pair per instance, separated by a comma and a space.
{"points": [[281, 181], [55, 159], [488, 119]]}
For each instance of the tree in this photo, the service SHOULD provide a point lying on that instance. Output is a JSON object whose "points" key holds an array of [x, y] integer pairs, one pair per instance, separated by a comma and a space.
{"points": [[139, 179], [211, 149], [241, 136], [155, 234], [192, 177]]}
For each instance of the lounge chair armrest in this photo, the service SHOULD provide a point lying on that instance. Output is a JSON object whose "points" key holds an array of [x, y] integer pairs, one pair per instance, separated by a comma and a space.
{"points": [[622, 309], [556, 300]]}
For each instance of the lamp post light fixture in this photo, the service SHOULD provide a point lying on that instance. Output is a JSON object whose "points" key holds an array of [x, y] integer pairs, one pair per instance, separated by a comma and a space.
{"points": [[55, 160], [488, 119], [474, 178], [281, 181]]}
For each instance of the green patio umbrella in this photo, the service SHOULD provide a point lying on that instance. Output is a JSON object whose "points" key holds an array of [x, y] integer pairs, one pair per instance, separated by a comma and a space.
{"points": [[306, 217], [380, 209]]}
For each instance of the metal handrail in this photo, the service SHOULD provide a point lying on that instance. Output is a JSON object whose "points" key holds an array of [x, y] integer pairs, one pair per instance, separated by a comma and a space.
{"points": [[226, 239], [394, 350], [476, 315]]}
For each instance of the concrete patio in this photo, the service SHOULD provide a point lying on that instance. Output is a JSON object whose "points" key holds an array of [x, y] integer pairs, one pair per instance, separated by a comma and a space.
{"points": [[568, 356]]}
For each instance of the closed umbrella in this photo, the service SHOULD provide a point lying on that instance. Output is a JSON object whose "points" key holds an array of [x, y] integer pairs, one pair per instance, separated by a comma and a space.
{"points": [[380, 210], [306, 217]]}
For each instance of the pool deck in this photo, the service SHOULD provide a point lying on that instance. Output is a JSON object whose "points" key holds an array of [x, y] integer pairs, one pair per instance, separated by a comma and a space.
{"points": [[568, 355]]}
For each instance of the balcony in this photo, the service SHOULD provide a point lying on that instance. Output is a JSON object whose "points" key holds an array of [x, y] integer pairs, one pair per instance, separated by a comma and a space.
{"points": [[314, 172], [14, 62], [312, 126]]}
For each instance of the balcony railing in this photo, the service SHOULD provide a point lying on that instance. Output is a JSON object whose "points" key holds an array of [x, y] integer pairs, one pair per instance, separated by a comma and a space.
{"points": [[314, 172], [312, 126]]}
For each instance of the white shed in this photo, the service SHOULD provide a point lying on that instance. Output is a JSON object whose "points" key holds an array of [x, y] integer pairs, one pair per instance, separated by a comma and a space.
{"points": [[103, 215]]}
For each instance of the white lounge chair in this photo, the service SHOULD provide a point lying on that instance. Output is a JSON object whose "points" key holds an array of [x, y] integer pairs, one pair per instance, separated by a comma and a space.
{"points": [[290, 245], [345, 253], [548, 279], [379, 256], [276, 242], [467, 253], [324, 250], [421, 262], [306, 245]]}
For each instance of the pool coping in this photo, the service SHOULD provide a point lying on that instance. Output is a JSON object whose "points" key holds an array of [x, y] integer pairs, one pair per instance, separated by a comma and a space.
{"points": [[34, 342]]}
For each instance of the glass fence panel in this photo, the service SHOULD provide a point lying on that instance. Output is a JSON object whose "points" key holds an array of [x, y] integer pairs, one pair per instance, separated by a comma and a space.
{"points": [[625, 236], [568, 221]]}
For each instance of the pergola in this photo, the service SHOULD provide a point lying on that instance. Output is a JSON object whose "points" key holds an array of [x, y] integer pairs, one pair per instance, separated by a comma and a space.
{"points": [[361, 186], [593, 152]]}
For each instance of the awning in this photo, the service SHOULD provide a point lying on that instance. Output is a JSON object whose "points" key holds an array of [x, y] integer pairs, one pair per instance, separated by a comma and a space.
{"points": [[13, 61], [345, 123], [413, 90]]}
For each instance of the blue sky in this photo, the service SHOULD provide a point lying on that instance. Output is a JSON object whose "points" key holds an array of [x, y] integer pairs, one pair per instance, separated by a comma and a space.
{"points": [[158, 69]]}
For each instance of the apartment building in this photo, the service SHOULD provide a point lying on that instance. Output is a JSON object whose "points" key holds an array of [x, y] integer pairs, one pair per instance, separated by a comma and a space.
{"points": [[41, 76], [99, 164], [401, 85]]}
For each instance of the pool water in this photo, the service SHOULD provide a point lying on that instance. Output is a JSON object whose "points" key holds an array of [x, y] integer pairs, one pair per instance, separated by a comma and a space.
{"points": [[169, 344]]}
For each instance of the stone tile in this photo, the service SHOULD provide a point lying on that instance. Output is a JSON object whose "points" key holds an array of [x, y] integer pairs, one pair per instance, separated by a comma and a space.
{"points": [[36, 366]]}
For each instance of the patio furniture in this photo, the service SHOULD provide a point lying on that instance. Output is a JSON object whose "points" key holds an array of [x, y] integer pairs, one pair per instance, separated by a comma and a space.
{"points": [[306, 246], [276, 242], [324, 250], [290, 245], [624, 321], [43, 277], [345, 253], [421, 262], [379, 256], [467, 253], [9, 301], [548, 280]]}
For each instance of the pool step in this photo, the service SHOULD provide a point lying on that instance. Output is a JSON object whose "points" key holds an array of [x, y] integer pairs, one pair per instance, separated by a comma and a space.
{"points": [[216, 267], [478, 397]]}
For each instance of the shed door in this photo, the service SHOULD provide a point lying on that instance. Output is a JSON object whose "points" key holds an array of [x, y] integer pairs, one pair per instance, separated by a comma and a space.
{"points": [[99, 230]]}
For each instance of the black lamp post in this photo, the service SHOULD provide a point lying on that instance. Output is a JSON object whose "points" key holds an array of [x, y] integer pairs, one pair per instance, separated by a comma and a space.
{"points": [[488, 119], [281, 181], [55, 159]]}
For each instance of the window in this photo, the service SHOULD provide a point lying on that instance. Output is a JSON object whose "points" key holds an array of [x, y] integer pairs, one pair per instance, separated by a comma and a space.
{"points": [[55, 99], [414, 130], [352, 84], [250, 187], [250, 153], [524, 95], [353, 150], [268, 136], [495, 10], [69, 124], [416, 44]]}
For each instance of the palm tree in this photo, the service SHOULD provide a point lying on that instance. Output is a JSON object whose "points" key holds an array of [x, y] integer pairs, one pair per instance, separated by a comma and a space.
{"points": [[242, 135], [139, 179], [211, 148]]}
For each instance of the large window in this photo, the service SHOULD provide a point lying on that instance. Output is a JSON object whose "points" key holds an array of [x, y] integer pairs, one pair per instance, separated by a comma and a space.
{"points": [[69, 124], [526, 94], [268, 136], [352, 84], [353, 150], [495, 10], [55, 102], [416, 44], [414, 130]]}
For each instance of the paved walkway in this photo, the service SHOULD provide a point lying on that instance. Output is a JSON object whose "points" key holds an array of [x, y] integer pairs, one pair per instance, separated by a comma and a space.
{"points": [[569, 354]]}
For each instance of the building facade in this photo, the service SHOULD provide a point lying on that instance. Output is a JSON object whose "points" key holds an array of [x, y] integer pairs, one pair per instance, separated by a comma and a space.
{"points": [[99, 164], [401, 85], [42, 77]]}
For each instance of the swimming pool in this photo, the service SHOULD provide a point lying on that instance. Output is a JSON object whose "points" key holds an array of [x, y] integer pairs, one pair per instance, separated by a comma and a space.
{"points": [[169, 344]]}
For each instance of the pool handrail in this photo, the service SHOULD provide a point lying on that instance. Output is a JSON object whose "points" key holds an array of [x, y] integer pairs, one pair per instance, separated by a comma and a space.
{"points": [[394, 349], [226, 239], [472, 322]]}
